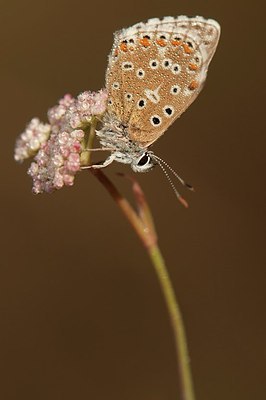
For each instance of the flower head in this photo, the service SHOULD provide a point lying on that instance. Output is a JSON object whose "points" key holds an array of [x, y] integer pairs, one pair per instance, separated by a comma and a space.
{"points": [[86, 106], [57, 146], [57, 114], [57, 162], [30, 141]]}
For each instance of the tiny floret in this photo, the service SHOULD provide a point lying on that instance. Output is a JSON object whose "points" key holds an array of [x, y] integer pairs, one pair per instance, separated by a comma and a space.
{"points": [[57, 114], [86, 106], [30, 141], [57, 162]]}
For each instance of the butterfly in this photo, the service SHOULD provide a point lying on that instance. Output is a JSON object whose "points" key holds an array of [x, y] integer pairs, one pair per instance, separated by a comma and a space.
{"points": [[156, 69]]}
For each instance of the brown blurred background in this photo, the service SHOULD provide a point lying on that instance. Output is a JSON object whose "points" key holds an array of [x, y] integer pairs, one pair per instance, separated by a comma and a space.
{"points": [[82, 314]]}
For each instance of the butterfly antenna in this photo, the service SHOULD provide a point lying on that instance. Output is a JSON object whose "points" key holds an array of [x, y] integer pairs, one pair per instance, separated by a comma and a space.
{"points": [[180, 198], [161, 161]]}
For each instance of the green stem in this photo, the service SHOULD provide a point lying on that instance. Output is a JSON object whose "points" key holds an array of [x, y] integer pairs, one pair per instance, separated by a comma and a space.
{"points": [[86, 155], [149, 240], [92, 134], [185, 378]]}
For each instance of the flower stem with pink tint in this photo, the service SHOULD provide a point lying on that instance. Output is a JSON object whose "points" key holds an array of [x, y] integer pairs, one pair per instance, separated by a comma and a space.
{"points": [[143, 225]]}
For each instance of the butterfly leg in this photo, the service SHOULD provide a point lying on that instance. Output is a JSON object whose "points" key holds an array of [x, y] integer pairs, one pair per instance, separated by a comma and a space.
{"points": [[108, 161]]}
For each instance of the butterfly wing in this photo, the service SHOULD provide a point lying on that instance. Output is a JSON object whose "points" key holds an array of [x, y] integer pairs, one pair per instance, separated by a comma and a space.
{"points": [[156, 70]]}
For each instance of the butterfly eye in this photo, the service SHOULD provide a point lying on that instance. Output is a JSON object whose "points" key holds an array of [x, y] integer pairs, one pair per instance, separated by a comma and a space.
{"points": [[143, 163], [144, 160]]}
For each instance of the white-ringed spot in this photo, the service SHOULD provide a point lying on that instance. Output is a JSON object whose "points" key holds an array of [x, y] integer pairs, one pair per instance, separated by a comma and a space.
{"points": [[115, 85], [197, 58], [190, 43], [140, 73], [168, 111], [176, 69], [128, 96], [175, 90], [141, 104], [127, 66], [177, 38], [131, 44], [154, 64], [166, 63], [163, 36], [155, 120]]}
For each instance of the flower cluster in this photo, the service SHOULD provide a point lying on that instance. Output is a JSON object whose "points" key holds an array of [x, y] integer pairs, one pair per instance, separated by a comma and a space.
{"points": [[57, 146], [77, 113], [57, 162], [87, 105], [57, 114], [31, 139]]}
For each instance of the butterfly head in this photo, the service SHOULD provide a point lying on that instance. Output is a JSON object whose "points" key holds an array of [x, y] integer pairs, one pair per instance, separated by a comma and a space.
{"points": [[143, 162]]}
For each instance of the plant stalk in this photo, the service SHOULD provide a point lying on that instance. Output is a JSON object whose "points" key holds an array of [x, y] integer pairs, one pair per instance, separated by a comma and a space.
{"points": [[185, 378], [146, 232]]}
